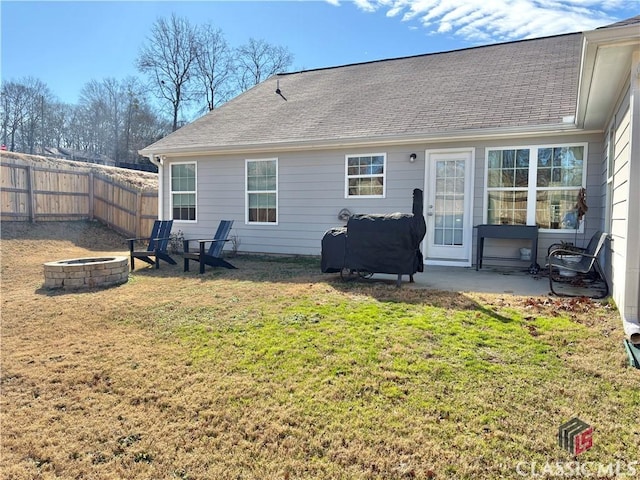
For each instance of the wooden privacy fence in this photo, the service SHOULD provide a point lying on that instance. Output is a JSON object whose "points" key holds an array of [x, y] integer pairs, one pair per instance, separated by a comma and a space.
{"points": [[35, 194]]}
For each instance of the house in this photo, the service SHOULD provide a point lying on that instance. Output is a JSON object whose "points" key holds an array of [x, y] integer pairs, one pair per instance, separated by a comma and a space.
{"points": [[500, 134]]}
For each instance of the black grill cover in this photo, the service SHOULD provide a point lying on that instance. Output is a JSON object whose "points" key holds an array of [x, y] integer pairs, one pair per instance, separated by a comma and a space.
{"points": [[334, 246], [385, 243], [377, 243]]}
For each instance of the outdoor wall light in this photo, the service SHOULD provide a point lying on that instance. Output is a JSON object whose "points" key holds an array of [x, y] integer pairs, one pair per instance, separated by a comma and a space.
{"points": [[412, 157]]}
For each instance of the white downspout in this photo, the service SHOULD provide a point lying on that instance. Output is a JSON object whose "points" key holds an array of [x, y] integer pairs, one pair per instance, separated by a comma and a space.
{"points": [[157, 161]]}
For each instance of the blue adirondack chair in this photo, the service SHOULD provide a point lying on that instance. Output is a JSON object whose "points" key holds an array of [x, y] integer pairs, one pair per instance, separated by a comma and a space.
{"points": [[157, 245], [213, 255]]}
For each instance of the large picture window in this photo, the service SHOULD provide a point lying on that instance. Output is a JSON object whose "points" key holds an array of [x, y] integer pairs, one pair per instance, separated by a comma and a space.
{"points": [[365, 175], [262, 191], [535, 185], [183, 191]]}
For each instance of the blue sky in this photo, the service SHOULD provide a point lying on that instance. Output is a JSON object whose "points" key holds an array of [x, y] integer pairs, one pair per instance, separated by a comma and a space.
{"points": [[67, 44]]}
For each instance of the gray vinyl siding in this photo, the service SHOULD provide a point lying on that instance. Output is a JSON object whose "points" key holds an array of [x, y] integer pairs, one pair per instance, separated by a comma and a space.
{"points": [[621, 250], [311, 193]]}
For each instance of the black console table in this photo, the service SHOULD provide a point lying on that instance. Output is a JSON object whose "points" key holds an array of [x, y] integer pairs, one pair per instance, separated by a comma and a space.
{"points": [[527, 232]]}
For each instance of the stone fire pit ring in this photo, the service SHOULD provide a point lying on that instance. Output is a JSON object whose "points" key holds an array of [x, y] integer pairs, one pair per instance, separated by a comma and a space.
{"points": [[90, 272]]}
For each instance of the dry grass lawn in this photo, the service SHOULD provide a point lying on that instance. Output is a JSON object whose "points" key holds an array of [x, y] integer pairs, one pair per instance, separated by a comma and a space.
{"points": [[275, 371]]}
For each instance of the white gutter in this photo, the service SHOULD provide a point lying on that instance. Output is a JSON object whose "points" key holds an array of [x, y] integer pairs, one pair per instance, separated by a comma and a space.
{"points": [[157, 161], [370, 142]]}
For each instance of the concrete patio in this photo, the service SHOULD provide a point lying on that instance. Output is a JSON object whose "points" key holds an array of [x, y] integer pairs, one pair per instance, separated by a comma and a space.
{"points": [[515, 281], [489, 279]]}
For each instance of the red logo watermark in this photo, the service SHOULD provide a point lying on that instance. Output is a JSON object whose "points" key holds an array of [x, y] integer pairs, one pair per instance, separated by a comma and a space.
{"points": [[575, 436]]}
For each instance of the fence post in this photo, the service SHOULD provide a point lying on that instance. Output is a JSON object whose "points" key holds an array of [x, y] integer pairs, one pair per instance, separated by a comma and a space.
{"points": [[91, 204], [138, 210], [31, 195]]}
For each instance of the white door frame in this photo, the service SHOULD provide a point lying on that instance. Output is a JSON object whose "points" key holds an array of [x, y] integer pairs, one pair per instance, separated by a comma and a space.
{"points": [[469, 152]]}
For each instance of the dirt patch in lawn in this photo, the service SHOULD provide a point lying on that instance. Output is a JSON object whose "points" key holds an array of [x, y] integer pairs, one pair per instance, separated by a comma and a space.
{"points": [[277, 371]]}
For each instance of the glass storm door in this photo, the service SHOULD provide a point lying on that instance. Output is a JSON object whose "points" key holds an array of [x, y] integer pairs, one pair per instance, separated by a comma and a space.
{"points": [[448, 207]]}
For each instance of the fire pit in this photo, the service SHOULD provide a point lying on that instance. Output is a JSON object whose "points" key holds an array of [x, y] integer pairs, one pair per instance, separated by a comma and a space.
{"points": [[90, 272]]}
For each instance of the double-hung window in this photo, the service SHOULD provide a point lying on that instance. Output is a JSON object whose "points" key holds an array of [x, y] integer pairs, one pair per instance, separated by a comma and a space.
{"points": [[183, 191], [535, 185], [262, 191], [365, 177]]}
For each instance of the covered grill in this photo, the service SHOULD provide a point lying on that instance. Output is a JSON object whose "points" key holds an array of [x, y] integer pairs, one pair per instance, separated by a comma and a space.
{"points": [[377, 243]]}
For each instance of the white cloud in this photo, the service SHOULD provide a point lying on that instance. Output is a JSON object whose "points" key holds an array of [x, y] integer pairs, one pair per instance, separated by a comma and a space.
{"points": [[368, 6], [444, 27], [498, 20]]}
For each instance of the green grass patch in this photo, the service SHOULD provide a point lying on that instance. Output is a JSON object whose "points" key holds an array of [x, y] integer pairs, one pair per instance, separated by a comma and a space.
{"points": [[475, 378], [274, 370], [368, 371]]}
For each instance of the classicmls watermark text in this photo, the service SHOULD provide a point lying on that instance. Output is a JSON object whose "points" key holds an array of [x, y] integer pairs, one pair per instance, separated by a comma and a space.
{"points": [[575, 436], [575, 469]]}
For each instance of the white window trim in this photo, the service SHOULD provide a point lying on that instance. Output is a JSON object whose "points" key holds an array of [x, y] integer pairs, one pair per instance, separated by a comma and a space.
{"points": [[610, 166], [171, 191], [610, 153], [246, 191], [533, 180], [347, 176]]}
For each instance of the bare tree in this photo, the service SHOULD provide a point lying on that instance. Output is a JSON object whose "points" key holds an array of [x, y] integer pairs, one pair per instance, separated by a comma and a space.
{"points": [[116, 118], [257, 60], [142, 124], [168, 59], [214, 66], [108, 117], [133, 96], [24, 106], [112, 118], [94, 110], [56, 124], [15, 97], [148, 127], [116, 99]]}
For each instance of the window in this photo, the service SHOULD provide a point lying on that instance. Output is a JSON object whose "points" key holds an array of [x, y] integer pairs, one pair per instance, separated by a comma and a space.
{"points": [[365, 175], [535, 186], [183, 191], [507, 183], [559, 179], [262, 191], [449, 201]]}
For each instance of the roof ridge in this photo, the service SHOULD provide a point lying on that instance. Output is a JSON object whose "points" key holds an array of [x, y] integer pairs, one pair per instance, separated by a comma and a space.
{"points": [[622, 23], [407, 57]]}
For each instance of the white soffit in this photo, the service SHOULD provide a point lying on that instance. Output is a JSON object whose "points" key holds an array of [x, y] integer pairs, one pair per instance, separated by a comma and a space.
{"points": [[606, 67], [612, 69]]}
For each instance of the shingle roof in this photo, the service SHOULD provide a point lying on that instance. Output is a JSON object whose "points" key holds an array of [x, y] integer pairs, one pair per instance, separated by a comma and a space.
{"points": [[518, 84], [623, 23]]}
